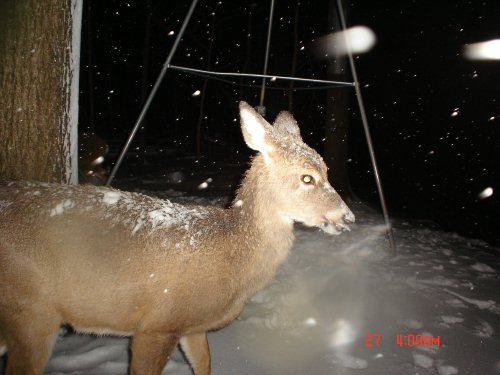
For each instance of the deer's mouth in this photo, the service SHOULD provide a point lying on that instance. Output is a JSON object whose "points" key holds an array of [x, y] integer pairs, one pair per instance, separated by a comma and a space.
{"points": [[329, 225], [332, 228], [335, 222]]}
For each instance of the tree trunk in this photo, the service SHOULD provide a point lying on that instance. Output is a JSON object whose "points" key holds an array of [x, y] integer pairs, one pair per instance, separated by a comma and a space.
{"points": [[39, 70], [337, 116]]}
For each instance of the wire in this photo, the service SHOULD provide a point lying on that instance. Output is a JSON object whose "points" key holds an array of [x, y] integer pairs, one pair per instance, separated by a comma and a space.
{"points": [[258, 86], [252, 75]]}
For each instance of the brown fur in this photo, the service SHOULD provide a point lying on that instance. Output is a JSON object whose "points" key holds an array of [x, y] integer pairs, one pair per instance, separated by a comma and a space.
{"points": [[111, 262]]}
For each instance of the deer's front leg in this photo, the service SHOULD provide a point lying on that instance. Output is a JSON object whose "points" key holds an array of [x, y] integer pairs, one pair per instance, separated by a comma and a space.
{"points": [[151, 351], [196, 349]]}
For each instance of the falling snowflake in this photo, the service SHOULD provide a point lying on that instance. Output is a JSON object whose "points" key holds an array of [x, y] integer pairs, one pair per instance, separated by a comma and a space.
{"points": [[486, 193]]}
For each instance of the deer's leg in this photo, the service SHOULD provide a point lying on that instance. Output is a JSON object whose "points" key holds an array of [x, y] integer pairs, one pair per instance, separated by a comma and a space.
{"points": [[151, 351], [29, 340], [196, 349]]}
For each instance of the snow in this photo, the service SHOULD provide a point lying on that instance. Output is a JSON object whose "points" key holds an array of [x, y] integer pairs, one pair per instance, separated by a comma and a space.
{"points": [[332, 295], [451, 319], [421, 360], [480, 304], [142, 213], [481, 267], [111, 197], [487, 50], [61, 207], [355, 40], [486, 193]]}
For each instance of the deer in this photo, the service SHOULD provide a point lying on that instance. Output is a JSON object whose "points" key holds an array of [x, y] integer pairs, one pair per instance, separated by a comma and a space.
{"points": [[111, 262]]}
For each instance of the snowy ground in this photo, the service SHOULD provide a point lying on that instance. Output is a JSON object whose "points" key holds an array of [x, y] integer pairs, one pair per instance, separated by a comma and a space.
{"points": [[337, 295]]}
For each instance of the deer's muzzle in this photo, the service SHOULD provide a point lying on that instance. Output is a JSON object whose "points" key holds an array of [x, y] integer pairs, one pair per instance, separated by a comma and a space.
{"points": [[336, 221]]}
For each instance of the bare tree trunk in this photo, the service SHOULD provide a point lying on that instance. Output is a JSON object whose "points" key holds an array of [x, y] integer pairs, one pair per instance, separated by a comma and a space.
{"points": [[39, 62], [337, 117]]}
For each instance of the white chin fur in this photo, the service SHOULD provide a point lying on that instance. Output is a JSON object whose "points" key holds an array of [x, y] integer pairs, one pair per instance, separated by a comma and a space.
{"points": [[333, 229], [330, 229]]}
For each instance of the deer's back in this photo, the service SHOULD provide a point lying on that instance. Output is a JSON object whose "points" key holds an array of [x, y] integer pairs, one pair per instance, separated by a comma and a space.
{"points": [[88, 246]]}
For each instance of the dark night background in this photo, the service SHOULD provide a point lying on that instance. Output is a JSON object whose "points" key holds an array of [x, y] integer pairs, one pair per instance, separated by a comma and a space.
{"points": [[433, 165]]}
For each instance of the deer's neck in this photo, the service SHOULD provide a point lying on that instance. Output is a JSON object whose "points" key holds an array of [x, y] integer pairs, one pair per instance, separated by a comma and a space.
{"points": [[266, 237]]}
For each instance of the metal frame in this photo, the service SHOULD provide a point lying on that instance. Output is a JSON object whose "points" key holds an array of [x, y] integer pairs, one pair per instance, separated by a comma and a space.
{"points": [[265, 76]]}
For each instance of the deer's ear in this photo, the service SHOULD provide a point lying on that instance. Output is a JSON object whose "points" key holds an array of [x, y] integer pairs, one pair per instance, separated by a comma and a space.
{"points": [[256, 130], [287, 126]]}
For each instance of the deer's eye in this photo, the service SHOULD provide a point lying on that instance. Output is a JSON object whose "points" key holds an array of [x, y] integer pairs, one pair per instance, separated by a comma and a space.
{"points": [[307, 179]]}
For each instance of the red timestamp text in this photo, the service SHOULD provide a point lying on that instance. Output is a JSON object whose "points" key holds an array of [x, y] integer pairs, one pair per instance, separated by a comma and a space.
{"points": [[372, 339], [410, 340], [417, 340]]}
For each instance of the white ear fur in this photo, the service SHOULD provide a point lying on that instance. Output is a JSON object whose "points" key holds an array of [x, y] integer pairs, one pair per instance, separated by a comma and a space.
{"points": [[255, 130]]}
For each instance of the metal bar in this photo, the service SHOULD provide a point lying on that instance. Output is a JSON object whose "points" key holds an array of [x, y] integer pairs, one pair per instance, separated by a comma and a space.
{"points": [[250, 75], [366, 128], [266, 58], [152, 94]]}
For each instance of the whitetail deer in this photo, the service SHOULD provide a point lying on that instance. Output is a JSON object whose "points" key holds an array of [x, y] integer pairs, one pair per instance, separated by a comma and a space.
{"points": [[120, 263]]}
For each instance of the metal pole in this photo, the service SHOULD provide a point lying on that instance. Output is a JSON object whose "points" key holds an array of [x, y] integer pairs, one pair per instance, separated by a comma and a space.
{"points": [[266, 58], [366, 128], [153, 92]]}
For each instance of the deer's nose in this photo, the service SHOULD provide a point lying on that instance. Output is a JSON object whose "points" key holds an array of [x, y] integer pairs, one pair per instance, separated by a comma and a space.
{"points": [[349, 217]]}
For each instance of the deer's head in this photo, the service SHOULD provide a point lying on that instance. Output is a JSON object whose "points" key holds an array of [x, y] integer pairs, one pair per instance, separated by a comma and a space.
{"points": [[292, 176]]}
